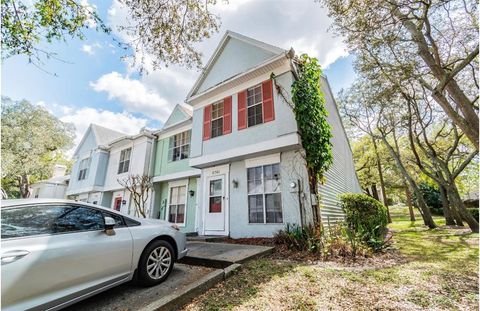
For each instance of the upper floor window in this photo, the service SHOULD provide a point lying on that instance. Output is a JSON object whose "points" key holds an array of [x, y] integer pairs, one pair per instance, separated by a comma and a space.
{"points": [[217, 119], [254, 106], [179, 146], [124, 163], [83, 169]]}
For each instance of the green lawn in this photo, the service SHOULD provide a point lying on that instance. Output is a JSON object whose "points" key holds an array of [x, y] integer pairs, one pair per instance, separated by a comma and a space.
{"points": [[427, 269]]}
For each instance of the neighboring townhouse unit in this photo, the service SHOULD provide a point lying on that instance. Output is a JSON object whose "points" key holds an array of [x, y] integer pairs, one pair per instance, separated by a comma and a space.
{"points": [[88, 172], [245, 141], [175, 182], [54, 187], [128, 155]]}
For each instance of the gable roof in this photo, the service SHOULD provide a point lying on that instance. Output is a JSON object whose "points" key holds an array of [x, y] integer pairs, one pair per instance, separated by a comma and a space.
{"points": [[268, 49], [180, 113], [102, 135]]}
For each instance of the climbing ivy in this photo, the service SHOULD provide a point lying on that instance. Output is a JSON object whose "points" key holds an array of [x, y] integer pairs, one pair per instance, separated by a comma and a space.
{"points": [[311, 115]]}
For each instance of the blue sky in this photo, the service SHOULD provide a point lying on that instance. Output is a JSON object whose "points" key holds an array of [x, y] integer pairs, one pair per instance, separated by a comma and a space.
{"points": [[93, 84]]}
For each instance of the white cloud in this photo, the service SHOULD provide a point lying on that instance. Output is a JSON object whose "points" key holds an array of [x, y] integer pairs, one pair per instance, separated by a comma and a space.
{"points": [[302, 25], [133, 95], [82, 117], [90, 48], [91, 8]]}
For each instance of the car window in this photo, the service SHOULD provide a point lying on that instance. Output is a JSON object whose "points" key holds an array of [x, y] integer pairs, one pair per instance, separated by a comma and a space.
{"points": [[119, 222], [131, 222], [78, 218], [48, 219]]}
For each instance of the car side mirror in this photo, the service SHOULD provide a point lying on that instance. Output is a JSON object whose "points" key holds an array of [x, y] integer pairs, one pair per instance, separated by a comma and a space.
{"points": [[109, 224]]}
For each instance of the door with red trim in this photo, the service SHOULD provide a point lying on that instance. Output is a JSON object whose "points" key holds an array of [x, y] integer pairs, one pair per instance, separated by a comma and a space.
{"points": [[215, 210]]}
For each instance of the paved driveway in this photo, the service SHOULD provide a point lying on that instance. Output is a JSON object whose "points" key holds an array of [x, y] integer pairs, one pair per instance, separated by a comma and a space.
{"points": [[129, 297]]}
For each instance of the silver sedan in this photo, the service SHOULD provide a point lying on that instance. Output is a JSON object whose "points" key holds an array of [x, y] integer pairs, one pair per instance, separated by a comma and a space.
{"points": [[57, 252]]}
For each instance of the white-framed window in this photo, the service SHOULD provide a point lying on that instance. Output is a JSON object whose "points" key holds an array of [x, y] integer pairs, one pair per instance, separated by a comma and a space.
{"points": [[264, 194], [177, 204], [217, 119], [179, 146], [124, 162], [83, 168], [254, 106]]}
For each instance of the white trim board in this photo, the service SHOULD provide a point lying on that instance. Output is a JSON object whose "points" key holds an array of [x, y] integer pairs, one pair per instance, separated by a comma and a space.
{"points": [[264, 160], [291, 139], [179, 175]]}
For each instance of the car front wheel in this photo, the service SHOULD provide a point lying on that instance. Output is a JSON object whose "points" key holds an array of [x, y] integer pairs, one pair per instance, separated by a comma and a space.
{"points": [[156, 263]]}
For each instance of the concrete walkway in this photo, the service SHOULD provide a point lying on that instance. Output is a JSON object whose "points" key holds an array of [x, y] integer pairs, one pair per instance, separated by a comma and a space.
{"points": [[222, 255]]}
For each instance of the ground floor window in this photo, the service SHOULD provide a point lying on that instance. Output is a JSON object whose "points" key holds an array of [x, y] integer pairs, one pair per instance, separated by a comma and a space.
{"points": [[264, 194], [176, 208]]}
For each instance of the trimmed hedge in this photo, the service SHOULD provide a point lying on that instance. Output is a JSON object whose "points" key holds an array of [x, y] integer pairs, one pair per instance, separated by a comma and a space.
{"points": [[366, 217]]}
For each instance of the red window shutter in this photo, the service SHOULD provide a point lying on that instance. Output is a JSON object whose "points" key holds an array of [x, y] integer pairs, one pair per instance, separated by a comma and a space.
{"points": [[227, 115], [242, 110], [267, 96], [207, 116]]}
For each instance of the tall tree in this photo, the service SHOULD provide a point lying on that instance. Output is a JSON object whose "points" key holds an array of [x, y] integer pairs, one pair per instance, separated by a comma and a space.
{"points": [[157, 32], [432, 42], [32, 140]]}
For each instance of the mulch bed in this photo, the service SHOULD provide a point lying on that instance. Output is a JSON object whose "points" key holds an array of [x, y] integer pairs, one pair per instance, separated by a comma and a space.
{"points": [[388, 257]]}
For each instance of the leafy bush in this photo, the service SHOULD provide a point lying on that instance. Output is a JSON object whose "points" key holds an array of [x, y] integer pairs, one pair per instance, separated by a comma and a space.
{"points": [[474, 212], [365, 219], [432, 198], [297, 238]]}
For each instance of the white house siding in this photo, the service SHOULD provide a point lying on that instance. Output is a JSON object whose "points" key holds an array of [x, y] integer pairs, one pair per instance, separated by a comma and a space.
{"points": [[283, 124], [236, 57], [139, 164], [48, 190], [291, 170], [341, 176]]}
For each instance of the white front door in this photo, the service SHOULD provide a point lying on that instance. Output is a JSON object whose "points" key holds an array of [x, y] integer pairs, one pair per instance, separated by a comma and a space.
{"points": [[216, 207]]}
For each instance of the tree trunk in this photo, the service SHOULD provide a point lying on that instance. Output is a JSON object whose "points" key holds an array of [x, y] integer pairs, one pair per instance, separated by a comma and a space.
{"points": [[458, 203], [24, 186], [449, 220], [408, 194], [469, 123], [382, 183], [314, 190], [425, 211], [375, 192]]}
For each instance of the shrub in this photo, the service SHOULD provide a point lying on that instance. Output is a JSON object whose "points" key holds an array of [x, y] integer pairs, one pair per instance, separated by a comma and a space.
{"points": [[474, 212], [308, 238], [365, 219], [432, 198]]}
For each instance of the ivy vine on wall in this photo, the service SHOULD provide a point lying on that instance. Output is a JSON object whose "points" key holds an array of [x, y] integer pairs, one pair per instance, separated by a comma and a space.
{"points": [[311, 115]]}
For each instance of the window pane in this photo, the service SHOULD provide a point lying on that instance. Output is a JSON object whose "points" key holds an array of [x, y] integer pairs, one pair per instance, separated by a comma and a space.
{"points": [[182, 194], [185, 152], [28, 221], [215, 205], [217, 127], [181, 213], [174, 195], [172, 213], [255, 208], [273, 206], [79, 219], [216, 187]]}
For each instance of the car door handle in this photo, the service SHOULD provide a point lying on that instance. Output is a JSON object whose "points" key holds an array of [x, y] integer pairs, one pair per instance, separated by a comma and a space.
{"points": [[12, 256]]}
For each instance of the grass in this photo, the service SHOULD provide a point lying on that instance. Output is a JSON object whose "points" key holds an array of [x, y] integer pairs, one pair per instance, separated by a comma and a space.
{"points": [[428, 269]]}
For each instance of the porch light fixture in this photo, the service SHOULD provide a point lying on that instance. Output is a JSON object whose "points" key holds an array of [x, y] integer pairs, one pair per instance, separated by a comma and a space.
{"points": [[293, 185], [235, 183], [191, 192]]}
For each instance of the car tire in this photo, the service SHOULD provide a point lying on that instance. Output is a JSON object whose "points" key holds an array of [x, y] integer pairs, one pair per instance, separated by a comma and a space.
{"points": [[156, 263]]}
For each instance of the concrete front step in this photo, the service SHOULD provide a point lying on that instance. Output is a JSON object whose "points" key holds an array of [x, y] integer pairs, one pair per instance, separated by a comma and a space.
{"points": [[221, 255], [206, 238]]}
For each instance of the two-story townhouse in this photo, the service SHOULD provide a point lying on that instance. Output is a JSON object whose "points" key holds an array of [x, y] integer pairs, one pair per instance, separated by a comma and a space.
{"points": [[175, 183], [90, 165], [245, 141], [128, 155]]}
